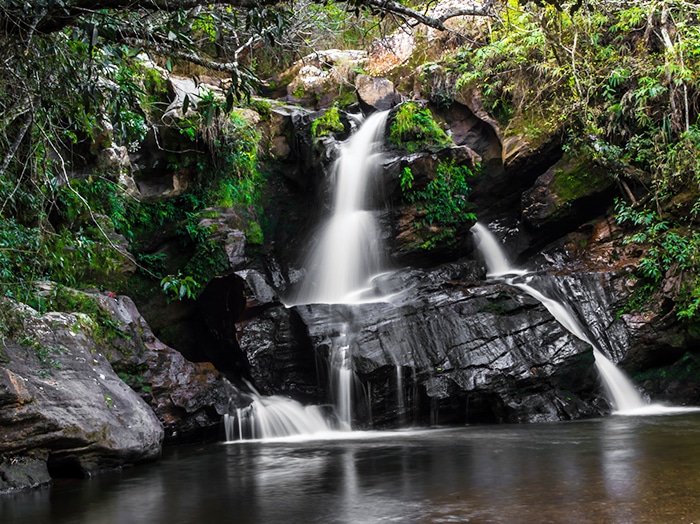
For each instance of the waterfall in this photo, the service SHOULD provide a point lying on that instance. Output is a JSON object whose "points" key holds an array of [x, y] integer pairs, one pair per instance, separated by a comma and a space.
{"points": [[349, 253], [623, 395], [338, 271], [274, 417]]}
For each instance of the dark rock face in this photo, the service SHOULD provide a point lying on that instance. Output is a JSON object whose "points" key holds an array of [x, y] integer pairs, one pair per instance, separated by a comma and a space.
{"points": [[18, 473], [281, 358], [565, 196], [487, 345]]}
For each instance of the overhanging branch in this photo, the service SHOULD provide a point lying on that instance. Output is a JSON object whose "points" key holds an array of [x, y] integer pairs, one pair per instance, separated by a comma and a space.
{"points": [[54, 16]]}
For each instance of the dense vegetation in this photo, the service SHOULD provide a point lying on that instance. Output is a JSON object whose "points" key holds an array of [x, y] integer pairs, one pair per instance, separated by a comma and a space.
{"points": [[619, 80]]}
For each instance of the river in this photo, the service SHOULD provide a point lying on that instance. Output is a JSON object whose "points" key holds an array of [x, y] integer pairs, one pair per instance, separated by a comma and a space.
{"points": [[613, 470]]}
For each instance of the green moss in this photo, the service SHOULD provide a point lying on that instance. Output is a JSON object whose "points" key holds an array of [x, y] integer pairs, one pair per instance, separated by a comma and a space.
{"points": [[262, 107], [582, 180], [413, 127], [102, 325], [327, 124]]}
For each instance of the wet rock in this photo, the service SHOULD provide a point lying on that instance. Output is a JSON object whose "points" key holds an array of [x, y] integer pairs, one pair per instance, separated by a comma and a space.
{"points": [[18, 473], [486, 343], [280, 355]]}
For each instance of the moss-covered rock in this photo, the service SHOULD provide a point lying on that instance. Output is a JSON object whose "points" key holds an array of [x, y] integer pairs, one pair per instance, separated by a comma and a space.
{"points": [[570, 191], [412, 128]]}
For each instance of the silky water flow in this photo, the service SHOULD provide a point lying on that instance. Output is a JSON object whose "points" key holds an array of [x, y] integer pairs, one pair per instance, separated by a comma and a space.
{"points": [[623, 395], [340, 269]]}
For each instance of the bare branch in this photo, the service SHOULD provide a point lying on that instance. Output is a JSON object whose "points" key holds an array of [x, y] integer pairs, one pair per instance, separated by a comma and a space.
{"points": [[484, 8], [13, 149]]}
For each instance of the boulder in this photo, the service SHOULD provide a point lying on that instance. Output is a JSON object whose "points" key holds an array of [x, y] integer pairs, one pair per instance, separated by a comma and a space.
{"points": [[318, 80], [387, 53], [62, 403], [189, 398], [571, 192], [376, 94]]}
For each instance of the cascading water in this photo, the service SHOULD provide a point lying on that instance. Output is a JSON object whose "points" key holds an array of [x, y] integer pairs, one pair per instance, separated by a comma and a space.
{"points": [[339, 271], [624, 396], [274, 417], [349, 252]]}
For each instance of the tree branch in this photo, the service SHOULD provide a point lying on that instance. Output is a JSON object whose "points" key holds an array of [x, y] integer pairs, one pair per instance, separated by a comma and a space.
{"points": [[54, 16], [484, 8]]}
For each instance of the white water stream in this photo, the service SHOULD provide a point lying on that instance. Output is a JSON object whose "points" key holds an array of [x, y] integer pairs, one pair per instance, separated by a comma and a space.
{"points": [[340, 270], [274, 417], [623, 394], [349, 253]]}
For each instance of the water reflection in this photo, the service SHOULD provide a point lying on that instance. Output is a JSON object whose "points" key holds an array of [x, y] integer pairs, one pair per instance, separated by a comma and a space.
{"points": [[614, 470]]}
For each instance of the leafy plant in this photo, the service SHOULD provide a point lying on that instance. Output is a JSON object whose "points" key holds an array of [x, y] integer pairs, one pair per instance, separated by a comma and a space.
{"points": [[327, 124], [179, 287], [442, 202], [670, 250]]}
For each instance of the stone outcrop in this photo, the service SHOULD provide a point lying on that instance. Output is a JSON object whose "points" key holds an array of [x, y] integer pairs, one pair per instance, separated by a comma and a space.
{"points": [[66, 405], [319, 79], [189, 398], [569, 193], [489, 349], [61, 403], [376, 94]]}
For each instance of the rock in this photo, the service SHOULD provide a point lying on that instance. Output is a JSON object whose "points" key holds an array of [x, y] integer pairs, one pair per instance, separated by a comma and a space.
{"points": [[376, 94], [569, 193], [179, 88], [224, 228], [281, 358], [18, 473], [524, 155], [487, 343], [189, 398], [60, 401], [409, 234], [319, 79], [387, 53], [472, 99]]}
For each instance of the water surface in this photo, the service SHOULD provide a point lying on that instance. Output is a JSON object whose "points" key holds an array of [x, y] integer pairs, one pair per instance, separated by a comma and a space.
{"points": [[614, 470]]}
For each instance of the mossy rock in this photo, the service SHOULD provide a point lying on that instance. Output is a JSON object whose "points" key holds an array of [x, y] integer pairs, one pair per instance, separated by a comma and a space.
{"points": [[412, 127], [329, 123], [568, 191]]}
